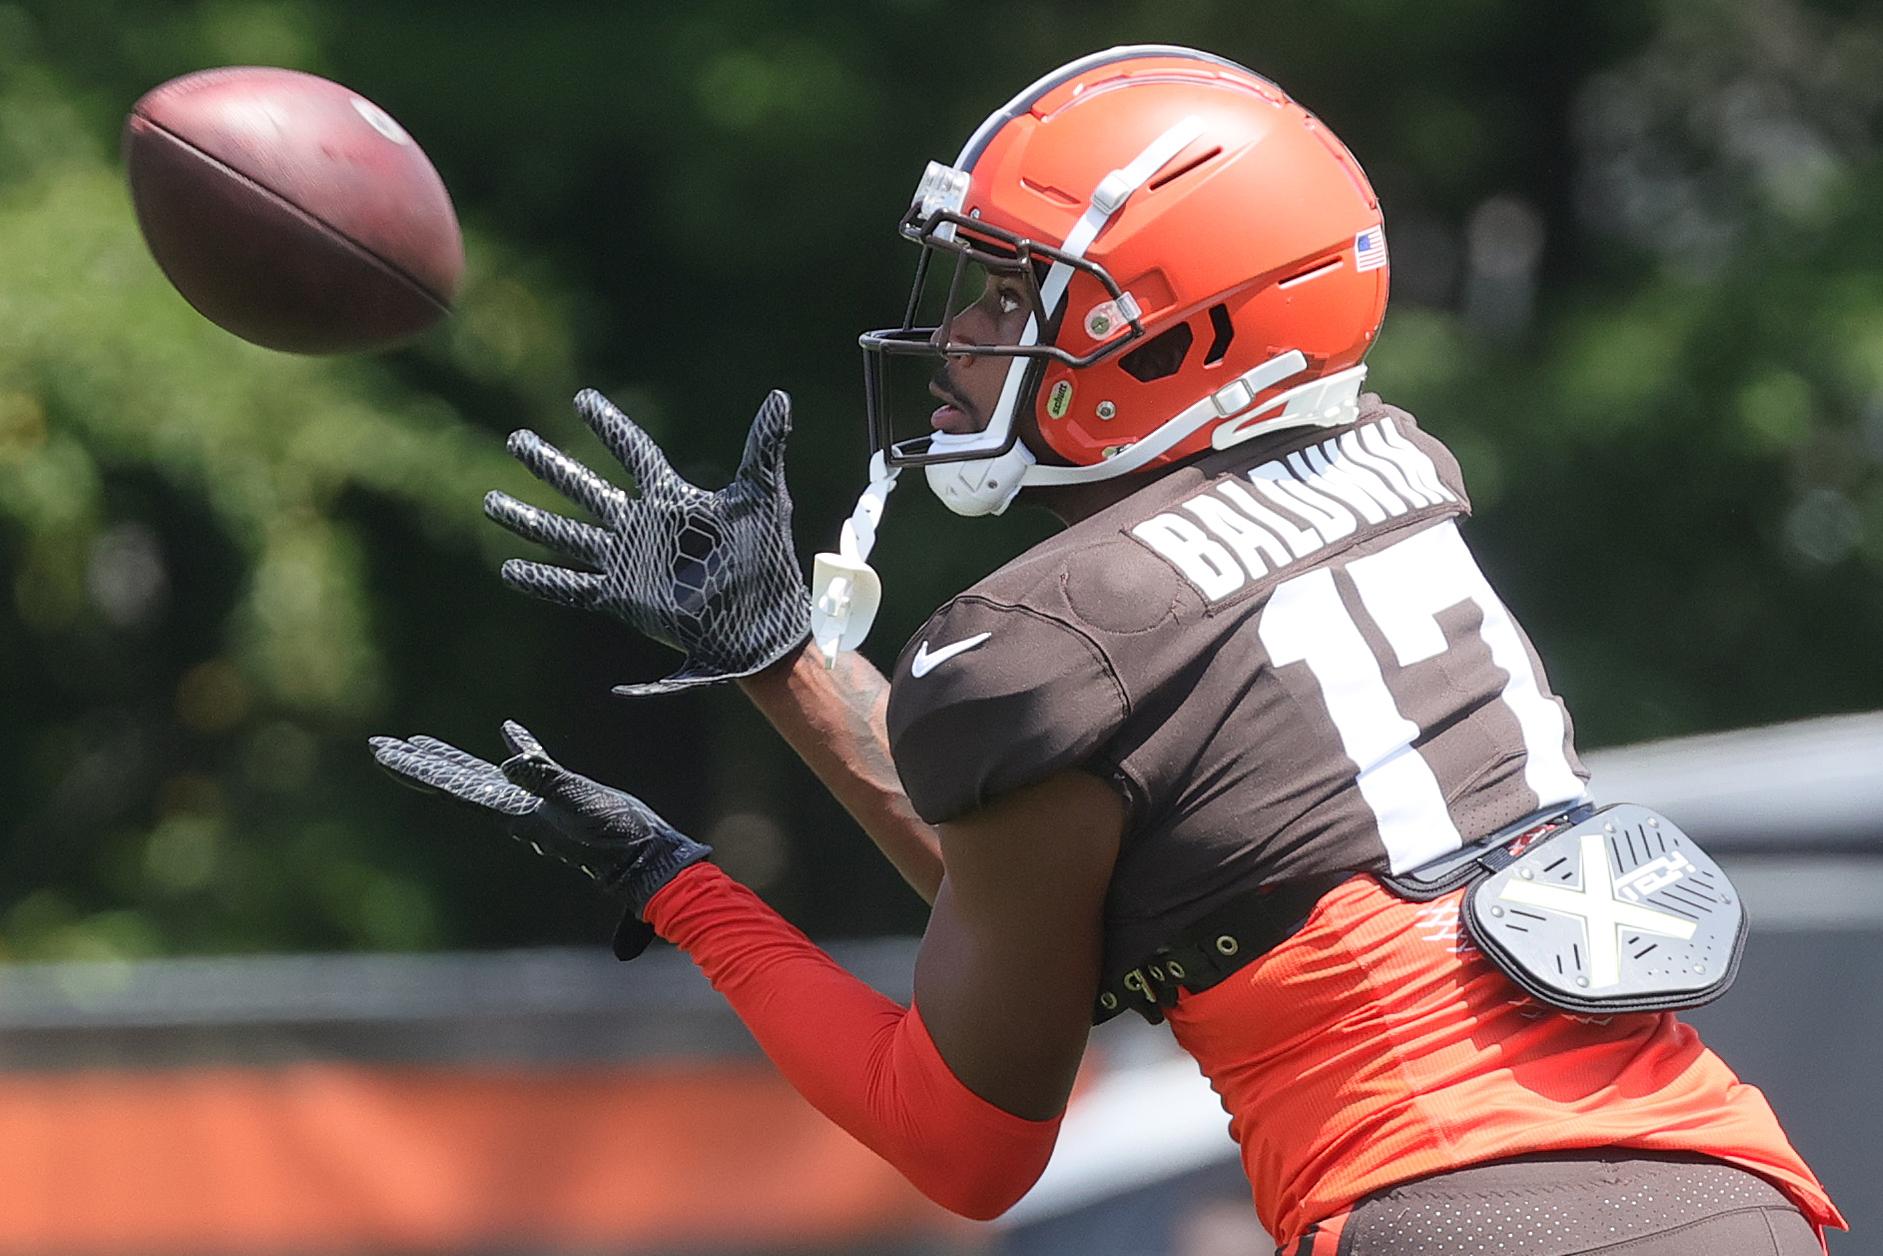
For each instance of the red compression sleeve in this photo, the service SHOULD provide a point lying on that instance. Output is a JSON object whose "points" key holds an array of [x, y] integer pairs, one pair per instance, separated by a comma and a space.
{"points": [[861, 1059]]}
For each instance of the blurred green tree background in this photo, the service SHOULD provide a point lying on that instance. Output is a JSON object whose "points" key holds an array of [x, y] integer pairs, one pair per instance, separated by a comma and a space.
{"points": [[1638, 285]]}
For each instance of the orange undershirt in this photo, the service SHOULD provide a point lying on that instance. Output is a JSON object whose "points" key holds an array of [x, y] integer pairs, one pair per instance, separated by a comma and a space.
{"points": [[1376, 1046]]}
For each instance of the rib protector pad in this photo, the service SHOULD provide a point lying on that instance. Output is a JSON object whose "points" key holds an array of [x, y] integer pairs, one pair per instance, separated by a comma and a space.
{"points": [[1621, 912]]}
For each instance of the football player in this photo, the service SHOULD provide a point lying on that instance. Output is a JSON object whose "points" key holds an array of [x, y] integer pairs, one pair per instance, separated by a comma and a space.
{"points": [[1189, 757]]}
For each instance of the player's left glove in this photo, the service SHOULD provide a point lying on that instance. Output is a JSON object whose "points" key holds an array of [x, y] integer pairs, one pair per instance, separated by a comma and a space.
{"points": [[612, 836], [712, 574]]}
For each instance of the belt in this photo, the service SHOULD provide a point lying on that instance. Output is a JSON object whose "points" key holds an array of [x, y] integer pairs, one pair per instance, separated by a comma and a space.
{"points": [[1207, 951]]}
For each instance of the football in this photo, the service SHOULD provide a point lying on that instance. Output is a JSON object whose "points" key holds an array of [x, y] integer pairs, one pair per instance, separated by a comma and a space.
{"points": [[292, 211]]}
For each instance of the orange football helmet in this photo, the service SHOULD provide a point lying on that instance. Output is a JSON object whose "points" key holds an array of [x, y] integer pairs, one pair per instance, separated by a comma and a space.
{"points": [[1205, 259]]}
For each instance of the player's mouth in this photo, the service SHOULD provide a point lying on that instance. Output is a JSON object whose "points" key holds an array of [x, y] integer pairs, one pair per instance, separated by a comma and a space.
{"points": [[955, 415]]}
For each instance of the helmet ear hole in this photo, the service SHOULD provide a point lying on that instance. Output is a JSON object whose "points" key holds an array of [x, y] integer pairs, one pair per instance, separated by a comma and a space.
{"points": [[1160, 356], [1225, 332]]}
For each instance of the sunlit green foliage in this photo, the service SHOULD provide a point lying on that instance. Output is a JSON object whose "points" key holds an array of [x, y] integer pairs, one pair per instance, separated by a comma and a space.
{"points": [[1677, 466]]}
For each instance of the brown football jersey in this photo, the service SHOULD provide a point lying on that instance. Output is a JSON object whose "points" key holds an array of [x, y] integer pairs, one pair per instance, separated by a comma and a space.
{"points": [[1282, 654]]}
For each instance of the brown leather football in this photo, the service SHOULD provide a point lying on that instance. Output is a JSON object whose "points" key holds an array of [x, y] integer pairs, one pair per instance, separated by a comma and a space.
{"points": [[292, 211]]}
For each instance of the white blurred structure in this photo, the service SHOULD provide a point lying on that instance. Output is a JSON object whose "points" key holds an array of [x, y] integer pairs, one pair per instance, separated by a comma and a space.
{"points": [[1816, 783]]}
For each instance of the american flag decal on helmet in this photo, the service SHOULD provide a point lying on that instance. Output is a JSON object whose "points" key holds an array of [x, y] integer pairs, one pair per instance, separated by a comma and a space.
{"points": [[1369, 249]]}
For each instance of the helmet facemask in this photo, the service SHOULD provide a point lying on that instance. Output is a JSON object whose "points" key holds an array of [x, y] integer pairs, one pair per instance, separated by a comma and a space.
{"points": [[964, 262]]}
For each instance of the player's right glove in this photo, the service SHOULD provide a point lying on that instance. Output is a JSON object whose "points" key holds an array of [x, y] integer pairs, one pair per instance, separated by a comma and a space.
{"points": [[712, 574], [612, 836]]}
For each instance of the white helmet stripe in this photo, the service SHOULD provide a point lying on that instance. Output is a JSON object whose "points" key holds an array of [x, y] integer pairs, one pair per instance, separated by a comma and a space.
{"points": [[1109, 197]]}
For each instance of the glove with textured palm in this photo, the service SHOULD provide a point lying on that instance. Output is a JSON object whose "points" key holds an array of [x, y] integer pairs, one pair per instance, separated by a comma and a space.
{"points": [[712, 574], [612, 836]]}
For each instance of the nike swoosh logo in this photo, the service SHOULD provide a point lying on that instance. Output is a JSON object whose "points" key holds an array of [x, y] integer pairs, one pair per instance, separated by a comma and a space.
{"points": [[925, 662]]}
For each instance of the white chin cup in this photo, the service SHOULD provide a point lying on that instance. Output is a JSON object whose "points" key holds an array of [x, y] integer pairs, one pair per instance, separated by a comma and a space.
{"points": [[976, 486]]}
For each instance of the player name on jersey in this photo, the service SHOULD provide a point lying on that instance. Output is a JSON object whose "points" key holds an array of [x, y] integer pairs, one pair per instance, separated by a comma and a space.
{"points": [[1244, 527]]}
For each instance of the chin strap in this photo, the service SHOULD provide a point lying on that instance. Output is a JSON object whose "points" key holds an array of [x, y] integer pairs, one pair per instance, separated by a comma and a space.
{"points": [[977, 486], [847, 589], [1328, 401]]}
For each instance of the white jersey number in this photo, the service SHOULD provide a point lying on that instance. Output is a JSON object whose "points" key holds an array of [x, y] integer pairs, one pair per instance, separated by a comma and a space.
{"points": [[1404, 588]]}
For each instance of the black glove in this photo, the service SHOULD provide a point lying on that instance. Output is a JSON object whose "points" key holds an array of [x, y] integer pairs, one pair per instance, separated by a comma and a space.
{"points": [[711, 574], [614, 837]]}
